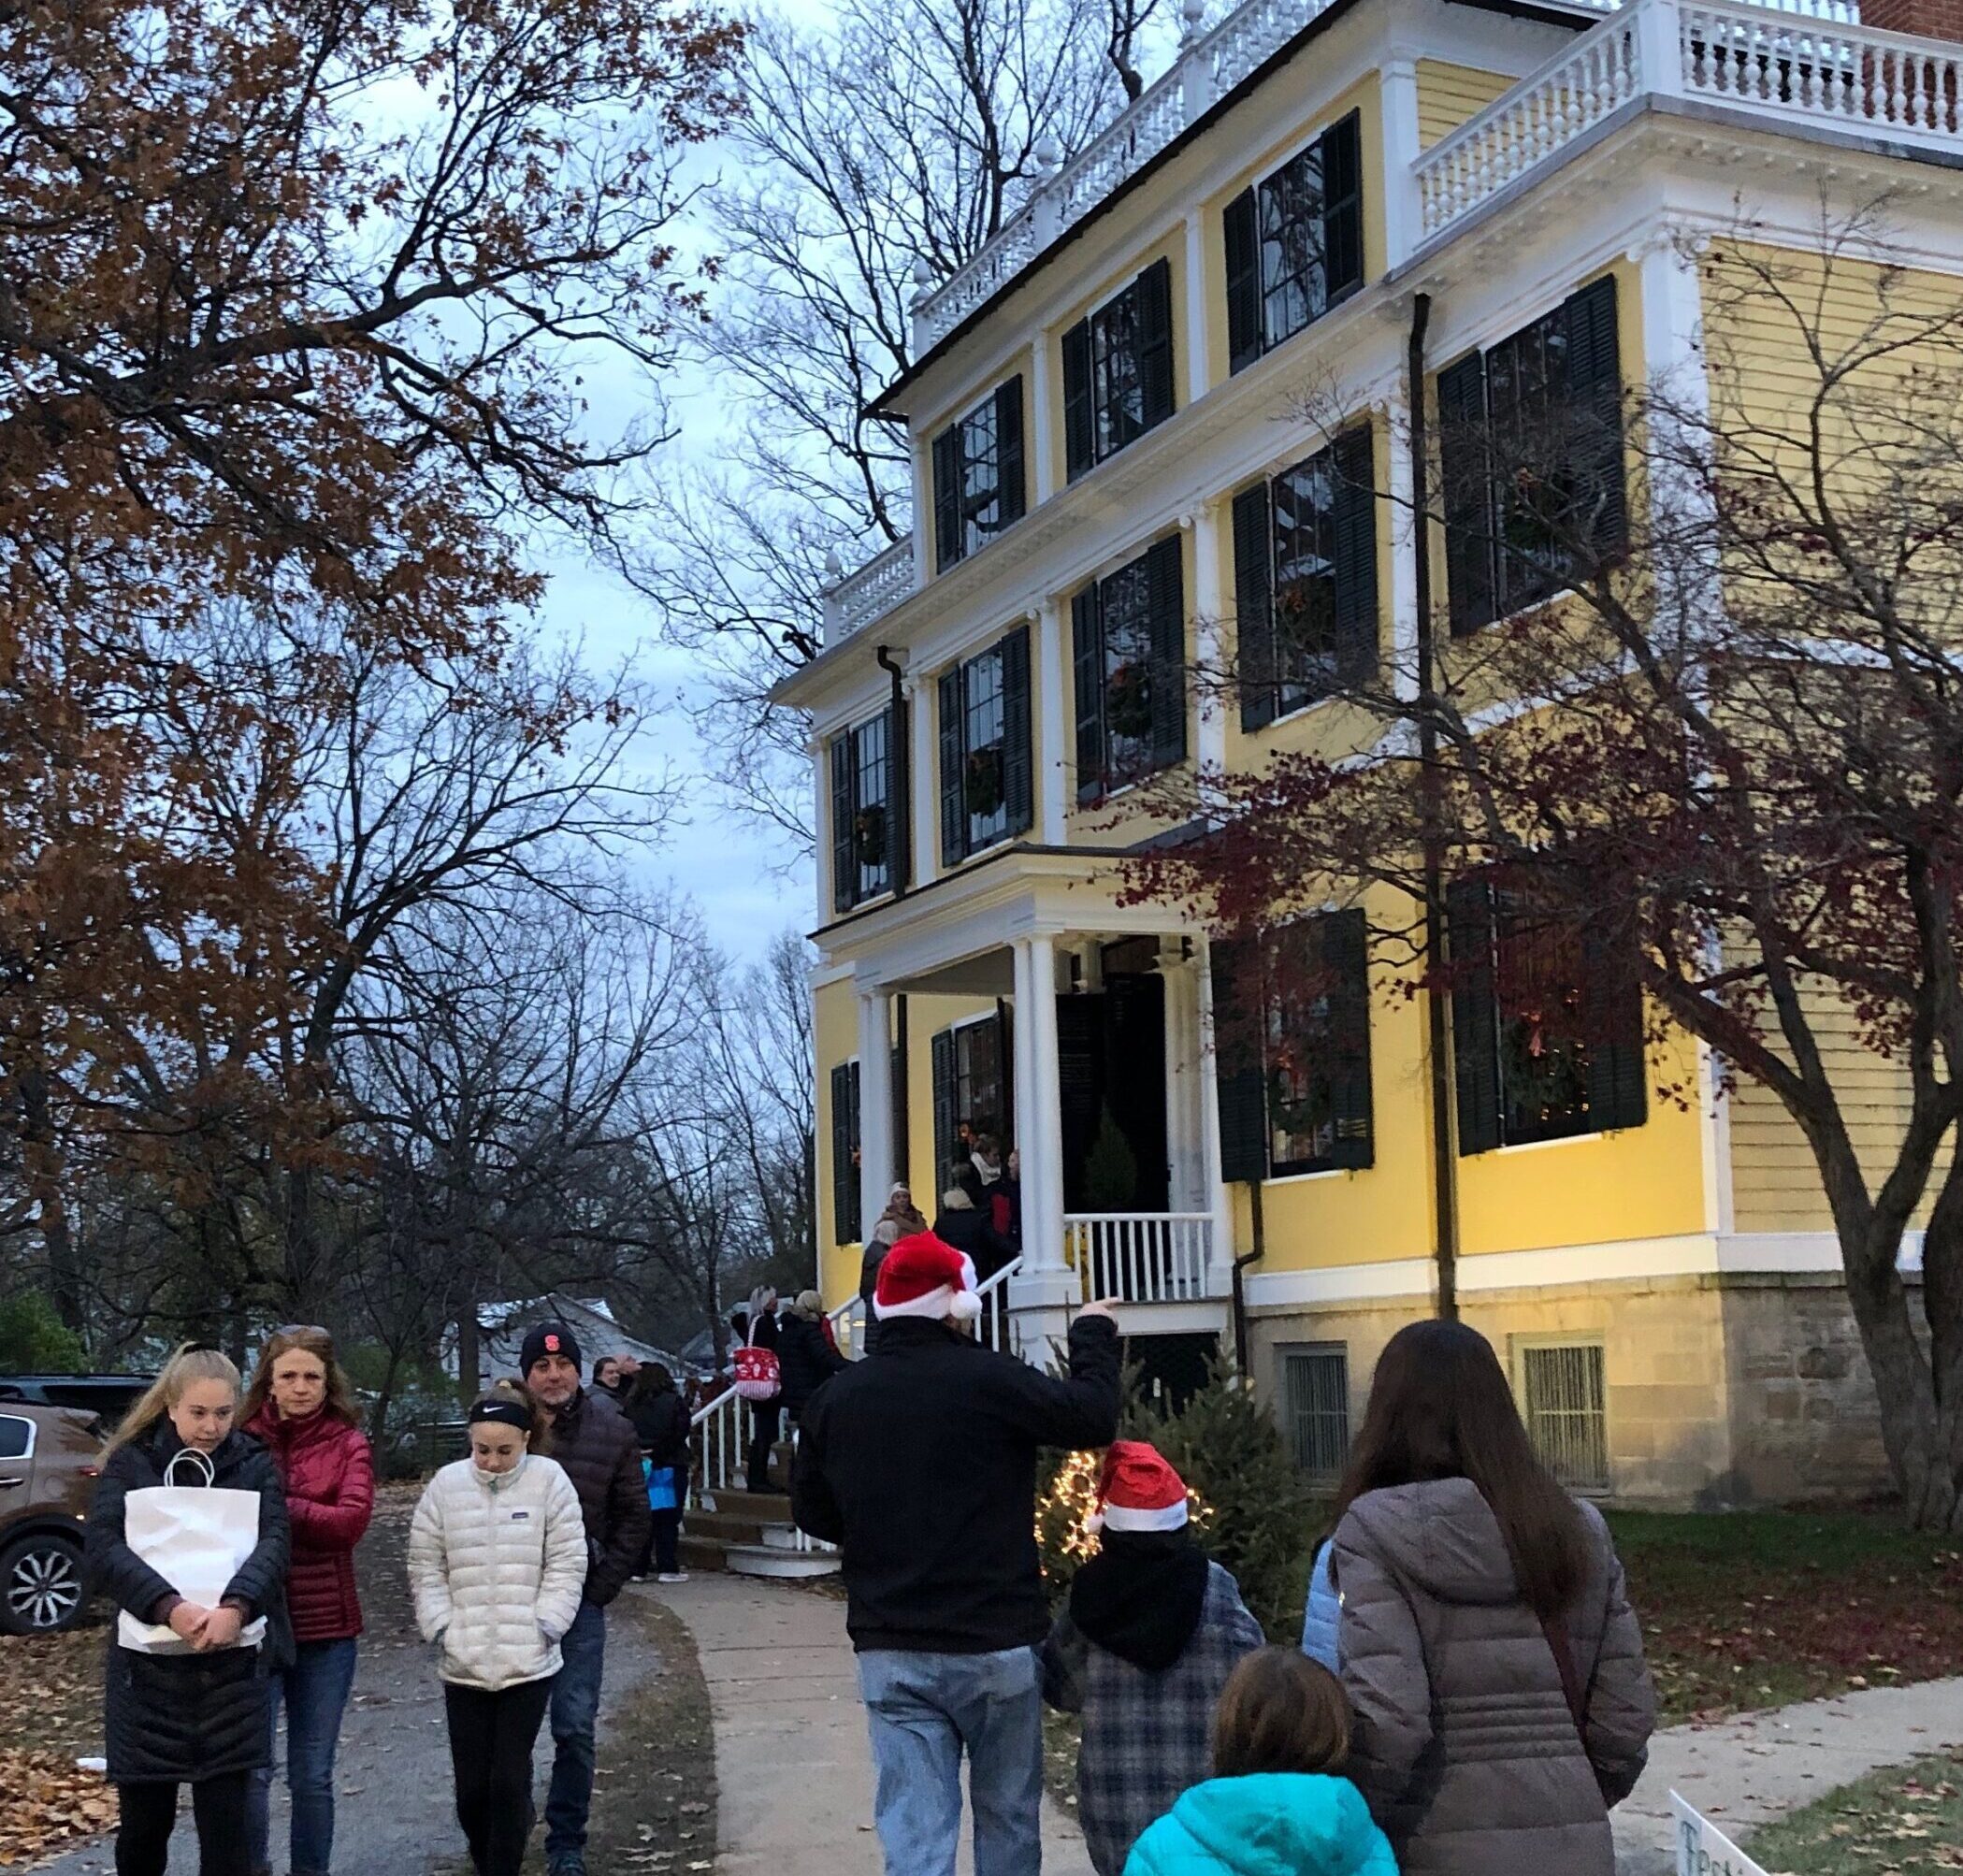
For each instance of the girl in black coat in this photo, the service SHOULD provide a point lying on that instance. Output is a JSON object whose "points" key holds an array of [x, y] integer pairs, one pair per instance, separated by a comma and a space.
{"points": [[197, 1716], [806, 1360], [660, 1418]]}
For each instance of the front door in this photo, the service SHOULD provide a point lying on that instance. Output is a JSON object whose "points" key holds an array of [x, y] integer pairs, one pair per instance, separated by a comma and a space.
{"points": [[1111, 1090]]}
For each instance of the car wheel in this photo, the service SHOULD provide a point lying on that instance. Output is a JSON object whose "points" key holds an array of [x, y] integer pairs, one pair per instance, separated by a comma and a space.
{"points": [[40, 1585]]}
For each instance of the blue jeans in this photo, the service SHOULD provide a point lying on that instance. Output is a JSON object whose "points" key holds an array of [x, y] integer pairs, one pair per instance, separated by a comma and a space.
{"points": [[924, 1709], [315, 1690], [575, 1713]]}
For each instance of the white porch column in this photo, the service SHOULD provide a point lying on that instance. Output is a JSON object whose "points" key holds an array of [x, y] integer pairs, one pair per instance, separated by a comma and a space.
{"points": [[1043, 1290], [1052, 734], [1218, 1202], [1404, 597], [875, 1105]]}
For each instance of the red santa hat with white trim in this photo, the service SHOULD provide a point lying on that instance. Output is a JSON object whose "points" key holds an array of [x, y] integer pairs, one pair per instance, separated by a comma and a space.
{"points": [[925, 1275], [1138, 1490]]}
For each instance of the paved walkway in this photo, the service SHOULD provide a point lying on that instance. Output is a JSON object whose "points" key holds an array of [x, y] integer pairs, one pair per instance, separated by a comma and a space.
{"points": [[1745, 1772], [792, 1763]]}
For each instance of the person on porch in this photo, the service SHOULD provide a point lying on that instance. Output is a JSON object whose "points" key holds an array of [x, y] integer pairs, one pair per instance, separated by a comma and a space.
{"points": [[921, 1465]]}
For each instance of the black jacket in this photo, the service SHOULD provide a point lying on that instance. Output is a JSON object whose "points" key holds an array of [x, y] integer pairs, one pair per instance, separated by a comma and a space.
{"points": [[806, 1361], [188, 1716], [661, 1425], [972, 1234], [600, 1452], [921, 1464]]}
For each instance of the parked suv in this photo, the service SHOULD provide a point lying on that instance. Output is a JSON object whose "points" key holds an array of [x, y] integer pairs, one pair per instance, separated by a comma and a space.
{"points": [[109, 1395], [50, 1457]]}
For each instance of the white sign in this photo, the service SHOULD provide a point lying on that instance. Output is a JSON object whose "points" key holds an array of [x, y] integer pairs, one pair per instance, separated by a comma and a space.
{"points": [[1703, 1850]]}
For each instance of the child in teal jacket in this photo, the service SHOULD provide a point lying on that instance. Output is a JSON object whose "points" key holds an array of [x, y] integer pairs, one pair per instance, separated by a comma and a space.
{"points": [[1275, 1807]]}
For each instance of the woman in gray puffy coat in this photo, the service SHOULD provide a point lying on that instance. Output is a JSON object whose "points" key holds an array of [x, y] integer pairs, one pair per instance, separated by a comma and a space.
{"points": [[1487, 1643]]}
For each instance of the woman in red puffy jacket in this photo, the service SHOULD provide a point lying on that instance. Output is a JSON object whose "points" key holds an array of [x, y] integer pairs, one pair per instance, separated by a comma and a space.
{"points": [[300, 1405]]}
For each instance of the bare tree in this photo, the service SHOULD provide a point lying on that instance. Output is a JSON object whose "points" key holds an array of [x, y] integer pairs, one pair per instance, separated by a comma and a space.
{"points": [[879, 151]]}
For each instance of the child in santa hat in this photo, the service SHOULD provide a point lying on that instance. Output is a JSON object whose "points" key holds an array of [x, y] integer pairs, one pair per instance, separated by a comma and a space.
{"points": [[1276, 1804], [1152, 1633]]}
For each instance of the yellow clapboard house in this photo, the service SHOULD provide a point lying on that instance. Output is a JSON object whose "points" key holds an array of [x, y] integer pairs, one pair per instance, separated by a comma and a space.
{"points": [[1119, 473]]}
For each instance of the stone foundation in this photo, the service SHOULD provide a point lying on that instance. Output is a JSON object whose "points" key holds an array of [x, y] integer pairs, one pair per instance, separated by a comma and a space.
{"points": [[1720, 1391]]}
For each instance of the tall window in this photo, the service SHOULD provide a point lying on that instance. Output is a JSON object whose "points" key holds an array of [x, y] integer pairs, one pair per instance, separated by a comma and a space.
{"points": [[1295, 243], [1546, 1023], [1315, 1394], [987, 785], [1128, 634], [978, 475], [971, 1088], [1305, 568], [1531, 453], [868, 810], [1291, 1040], [1118, 370], [844, 1153]]}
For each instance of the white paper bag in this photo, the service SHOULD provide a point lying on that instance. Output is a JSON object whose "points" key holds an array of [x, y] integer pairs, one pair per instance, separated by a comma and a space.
{"points": [[196, 1537]]}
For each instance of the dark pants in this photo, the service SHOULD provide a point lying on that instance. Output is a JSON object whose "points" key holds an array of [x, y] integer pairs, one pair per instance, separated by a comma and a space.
{"points": [[663, 1540], [575, 1714], [764, 1418], [491, 1737], [314, 1692], [149, 1810]]}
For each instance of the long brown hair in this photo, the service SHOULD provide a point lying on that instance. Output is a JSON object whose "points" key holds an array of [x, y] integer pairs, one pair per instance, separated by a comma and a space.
{"points": [[339, 1401], [187, 1364], [1441, 1408]]}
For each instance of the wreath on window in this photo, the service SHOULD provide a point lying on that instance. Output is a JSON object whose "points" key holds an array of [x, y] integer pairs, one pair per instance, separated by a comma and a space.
{"points": [[869, 836], [981, 783], [1128, 702]]}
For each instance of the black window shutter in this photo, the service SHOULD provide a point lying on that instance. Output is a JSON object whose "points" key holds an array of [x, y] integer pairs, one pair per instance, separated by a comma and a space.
{"points": [[845, 1174], [1079, 451], [1087, 664], [944, 1118], [1167, 590], [1342, 208], [898, 797], [947, 497], [954, 806], [1595, 403], [1475, 1015], [1468, 494], [1253, 607], [1238, 1085], [1344, 956], [1618, 1085], [1010, 476], [901, 1142], [1243, 233], [1155, 340], [1356, 617], [845, 846], [1019, 761]]}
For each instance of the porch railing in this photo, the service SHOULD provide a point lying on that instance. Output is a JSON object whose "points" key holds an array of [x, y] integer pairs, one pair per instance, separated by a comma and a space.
{"points": [[1141, 1257]]}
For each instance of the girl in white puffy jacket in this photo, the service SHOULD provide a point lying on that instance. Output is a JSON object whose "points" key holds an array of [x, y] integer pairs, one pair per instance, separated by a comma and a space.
{"points": [[497, 1559]]}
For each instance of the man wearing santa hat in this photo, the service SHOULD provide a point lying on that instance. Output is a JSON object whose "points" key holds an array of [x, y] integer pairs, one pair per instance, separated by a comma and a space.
{"points": [[920, 1463]]}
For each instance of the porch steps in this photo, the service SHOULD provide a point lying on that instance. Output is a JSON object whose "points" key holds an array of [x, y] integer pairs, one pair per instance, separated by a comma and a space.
{"points": [[750, 1534]]}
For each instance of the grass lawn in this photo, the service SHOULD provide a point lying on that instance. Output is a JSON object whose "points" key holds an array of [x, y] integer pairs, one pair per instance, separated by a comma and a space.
{"points": [[1904, 1822], [1758, 1609]]}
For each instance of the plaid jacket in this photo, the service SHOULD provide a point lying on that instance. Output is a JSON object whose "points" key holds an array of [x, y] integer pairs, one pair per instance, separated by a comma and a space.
{"points": [[1148, 1737]]}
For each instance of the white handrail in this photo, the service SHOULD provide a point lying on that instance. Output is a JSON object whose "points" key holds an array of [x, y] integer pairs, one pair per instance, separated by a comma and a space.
{"points": [[870, 592]]}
